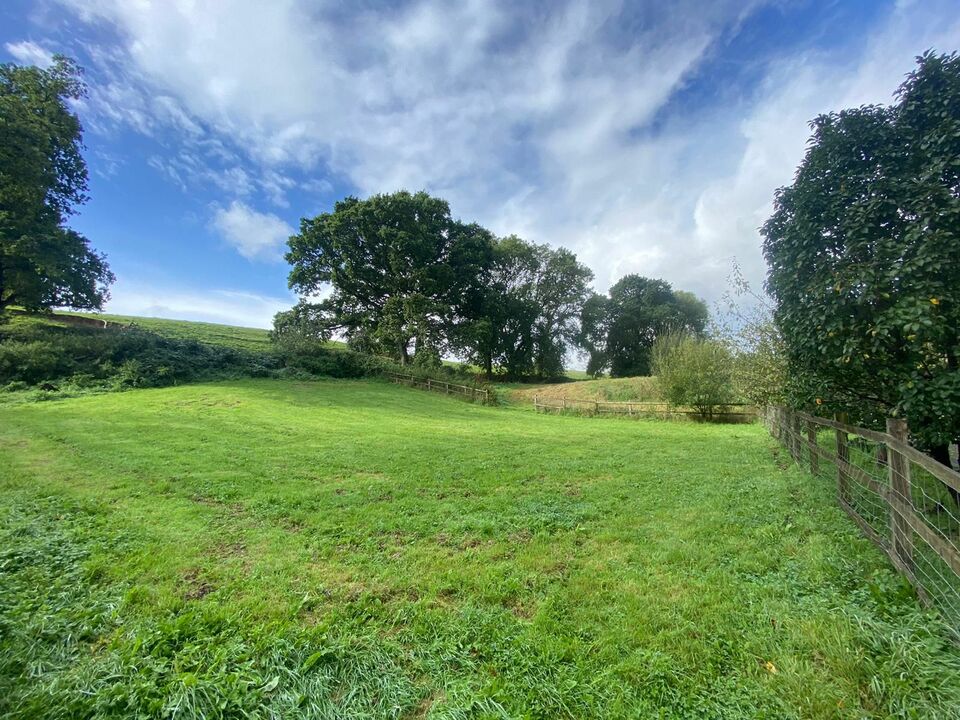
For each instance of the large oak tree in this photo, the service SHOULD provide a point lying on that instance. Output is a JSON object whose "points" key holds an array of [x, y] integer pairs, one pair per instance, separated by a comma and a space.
{"points": [[43, 177], [402, 272]]}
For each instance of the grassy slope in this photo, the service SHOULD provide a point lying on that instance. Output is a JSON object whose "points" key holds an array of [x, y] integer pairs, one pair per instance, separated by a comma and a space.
{"points": [[241, 338], [639, 389], [355, 549]]}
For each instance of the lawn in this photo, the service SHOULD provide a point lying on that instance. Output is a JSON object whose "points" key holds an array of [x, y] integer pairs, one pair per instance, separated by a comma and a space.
{"points": [[347, 549]]}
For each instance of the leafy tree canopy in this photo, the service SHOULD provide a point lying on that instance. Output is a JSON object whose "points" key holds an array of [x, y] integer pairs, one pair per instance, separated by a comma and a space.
{"points": [[43, 176], [619, 330], [862, 255], [528, 318], [401, 268]]}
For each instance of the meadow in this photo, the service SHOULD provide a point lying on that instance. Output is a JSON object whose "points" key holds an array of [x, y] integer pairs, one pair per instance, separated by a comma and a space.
{"points": [[334, 549]]}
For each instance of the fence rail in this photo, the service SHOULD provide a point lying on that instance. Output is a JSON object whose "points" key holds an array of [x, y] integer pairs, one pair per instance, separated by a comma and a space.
{"points": [[906, 502], [473, 393], [734, 412]]}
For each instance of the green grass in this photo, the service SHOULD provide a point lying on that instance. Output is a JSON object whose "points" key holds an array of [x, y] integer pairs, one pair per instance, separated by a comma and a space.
{"points": [[241, 338], [347, 549], [233, 336]]}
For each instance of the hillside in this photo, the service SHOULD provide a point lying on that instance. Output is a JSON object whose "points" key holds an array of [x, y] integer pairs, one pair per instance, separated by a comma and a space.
{"points": [[637, 389], [72, 353], [357, 549], [234, 336]]}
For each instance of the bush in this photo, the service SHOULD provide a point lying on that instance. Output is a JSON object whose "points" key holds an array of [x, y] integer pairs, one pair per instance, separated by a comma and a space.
{"points": [[35, 351], [694, 372]]}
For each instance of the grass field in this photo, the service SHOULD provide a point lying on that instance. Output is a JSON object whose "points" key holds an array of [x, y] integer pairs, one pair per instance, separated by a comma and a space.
{"points": [[241, 338], [636, 389], [351, 549]]}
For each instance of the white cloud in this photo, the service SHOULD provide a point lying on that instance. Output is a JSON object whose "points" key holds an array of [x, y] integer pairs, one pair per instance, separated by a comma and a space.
{"points": [[255, 235], [29, 53], [524, 119], [230, 307]]}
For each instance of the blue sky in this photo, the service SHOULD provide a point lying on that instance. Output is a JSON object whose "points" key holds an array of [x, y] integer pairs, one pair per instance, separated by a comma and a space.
{"points": [[647, 137]]}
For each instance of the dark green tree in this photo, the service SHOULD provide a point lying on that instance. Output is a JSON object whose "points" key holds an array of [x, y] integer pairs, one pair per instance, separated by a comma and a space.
{"points": [[528, 318], [403, 272], [862, 255], [43, 177], [619, 330]]}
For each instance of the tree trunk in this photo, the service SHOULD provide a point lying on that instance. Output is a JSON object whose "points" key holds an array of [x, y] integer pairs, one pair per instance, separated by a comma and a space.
{"points": [[488, 367], [404, 358], [941, 453]]}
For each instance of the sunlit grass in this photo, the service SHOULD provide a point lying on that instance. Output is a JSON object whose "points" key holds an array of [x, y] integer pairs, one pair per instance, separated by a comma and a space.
{"points": [[358, 549]]}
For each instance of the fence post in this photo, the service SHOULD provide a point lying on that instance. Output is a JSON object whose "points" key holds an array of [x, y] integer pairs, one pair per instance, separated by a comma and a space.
{"points": [[899, 470], [797, 436], [843, 456], [596, 407], [812, 441]]}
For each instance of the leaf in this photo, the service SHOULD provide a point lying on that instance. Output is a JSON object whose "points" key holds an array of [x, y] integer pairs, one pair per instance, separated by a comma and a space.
{"points": [[312, 660], [272, 684]]}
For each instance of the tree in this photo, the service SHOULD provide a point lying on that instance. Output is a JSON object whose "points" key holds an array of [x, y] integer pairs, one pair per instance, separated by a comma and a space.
{"points": [[862, 259], [562, 287], [693, 371], [619, 331], [747, 327], [403, 272], [529, 315], [43, 176]]}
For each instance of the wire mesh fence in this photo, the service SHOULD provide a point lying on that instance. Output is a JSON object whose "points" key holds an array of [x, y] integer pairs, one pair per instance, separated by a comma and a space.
{"points": [[903, 500]]}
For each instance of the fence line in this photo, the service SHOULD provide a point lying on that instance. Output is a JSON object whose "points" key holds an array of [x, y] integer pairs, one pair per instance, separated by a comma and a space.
{"points": [[472, 393], [906, 502], [726, 413]]}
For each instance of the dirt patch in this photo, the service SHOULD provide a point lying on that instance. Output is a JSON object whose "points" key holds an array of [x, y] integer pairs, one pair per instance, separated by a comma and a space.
{"points": [[196, 587]]}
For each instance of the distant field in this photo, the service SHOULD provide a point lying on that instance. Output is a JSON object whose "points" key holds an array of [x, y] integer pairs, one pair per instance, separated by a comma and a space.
{"points": [[638, 389], [243, 338], [348, 549]]}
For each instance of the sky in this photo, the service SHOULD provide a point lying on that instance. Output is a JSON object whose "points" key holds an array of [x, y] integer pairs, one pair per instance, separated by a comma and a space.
{"points": [[647, 136]]}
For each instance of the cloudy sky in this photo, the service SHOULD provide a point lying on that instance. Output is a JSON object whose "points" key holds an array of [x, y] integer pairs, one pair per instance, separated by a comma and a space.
{"points": [[646, 136]]}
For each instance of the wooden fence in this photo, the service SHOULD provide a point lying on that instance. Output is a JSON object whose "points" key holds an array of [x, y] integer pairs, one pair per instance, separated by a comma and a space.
{"points": [[906, 502], [482, 395], [735, 412]]}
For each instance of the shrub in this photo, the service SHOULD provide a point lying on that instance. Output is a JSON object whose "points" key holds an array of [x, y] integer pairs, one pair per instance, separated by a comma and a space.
{"points": [[694, 372]]}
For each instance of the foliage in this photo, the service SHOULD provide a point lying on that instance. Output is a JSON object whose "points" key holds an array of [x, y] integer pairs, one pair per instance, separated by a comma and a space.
{"points": [[619, 331], [201, 551], [54, 352], [402, 270], [37, 351], [694, 372], [862, 259], [404, 273], [42, 177], [528, 317], [748, 328]]}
